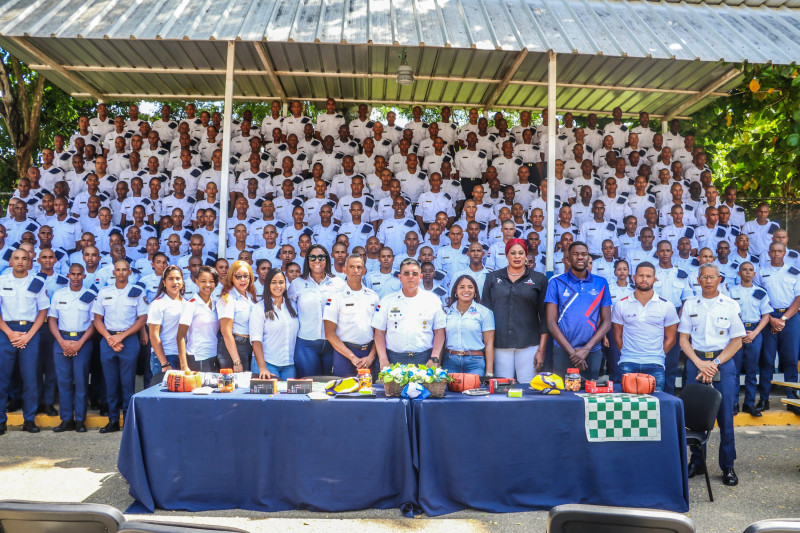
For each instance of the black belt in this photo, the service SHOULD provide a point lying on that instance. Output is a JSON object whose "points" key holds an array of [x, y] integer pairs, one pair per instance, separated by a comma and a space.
{"points": [[708, 355], [72, 333], [19, 322], [462, 179], [412, 354], [361, 347], [115, 332], [750, 324], [780, 310]]}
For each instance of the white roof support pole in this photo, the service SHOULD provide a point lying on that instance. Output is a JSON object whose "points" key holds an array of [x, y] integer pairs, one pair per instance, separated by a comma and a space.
{"points": [[664, 127], [227, 126], [552, 126]]}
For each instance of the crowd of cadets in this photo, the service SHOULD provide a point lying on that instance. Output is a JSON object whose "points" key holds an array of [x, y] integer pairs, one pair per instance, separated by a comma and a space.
{"points": [[449, 195]]}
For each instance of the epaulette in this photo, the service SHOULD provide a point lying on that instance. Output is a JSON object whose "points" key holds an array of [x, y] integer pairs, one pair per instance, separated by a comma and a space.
{"points": [[136, 290], [196, 172], [689, 232], [305, 120], [410, 223], [482, 154], [772, 227], [32, 226], [611, 227], [623, 128], [339, 155], [439, 290], [297, 202], [793, 271], [191, 199], [307, 231], [61, 280], [695, 262], [366, 228], [720, 232], [88, 295], [622, 199], [682, 274], [759, 294], [210, 261]]}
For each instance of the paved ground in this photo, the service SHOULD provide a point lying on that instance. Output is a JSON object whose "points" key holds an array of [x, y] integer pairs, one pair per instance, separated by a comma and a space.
{"points": [[82, 468]]}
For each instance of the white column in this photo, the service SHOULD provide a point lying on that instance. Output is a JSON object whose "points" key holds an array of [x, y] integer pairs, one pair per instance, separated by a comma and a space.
{"points": [[664, 127], [551, 164], [227, 125]]}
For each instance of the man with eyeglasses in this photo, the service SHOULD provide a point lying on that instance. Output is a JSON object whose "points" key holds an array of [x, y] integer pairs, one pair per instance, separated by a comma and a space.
{"points": [[711, 332], [409, 324]]}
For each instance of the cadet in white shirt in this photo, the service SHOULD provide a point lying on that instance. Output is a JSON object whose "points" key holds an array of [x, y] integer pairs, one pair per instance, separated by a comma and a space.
{"points": [[409, 324], [711, 334], [198, 327], [348, 322], [120, 313], [23, 309], [645, 327], [234, 305], [70, 322], [162, 321], [313, 355], [275, 328]]}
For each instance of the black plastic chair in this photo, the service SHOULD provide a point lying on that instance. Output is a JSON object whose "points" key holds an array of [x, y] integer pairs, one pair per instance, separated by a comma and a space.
{"points": [[777, 525], [174, 527], [576, 518], [41, 517], [157, 379], [701, 407]]}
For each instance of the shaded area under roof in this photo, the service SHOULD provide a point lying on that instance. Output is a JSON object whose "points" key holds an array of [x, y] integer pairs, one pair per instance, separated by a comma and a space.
{"points": [[669, 58]]}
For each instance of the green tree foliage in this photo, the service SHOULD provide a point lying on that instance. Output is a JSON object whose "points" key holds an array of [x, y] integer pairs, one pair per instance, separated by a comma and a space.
{"points": [[754, 133]]}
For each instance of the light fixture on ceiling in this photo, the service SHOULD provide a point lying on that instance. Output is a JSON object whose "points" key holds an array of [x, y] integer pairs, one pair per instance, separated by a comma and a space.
{"points": [[405, 74]]}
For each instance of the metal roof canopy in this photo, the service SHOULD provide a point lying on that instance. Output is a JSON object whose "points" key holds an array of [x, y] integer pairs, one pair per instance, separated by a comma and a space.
{"points": [[666, 58], [660, 57]]}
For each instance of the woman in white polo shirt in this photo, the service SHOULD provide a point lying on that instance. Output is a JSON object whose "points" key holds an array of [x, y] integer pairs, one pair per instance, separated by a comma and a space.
{"points": [[162, 321], [233, 309], [199, 326]]}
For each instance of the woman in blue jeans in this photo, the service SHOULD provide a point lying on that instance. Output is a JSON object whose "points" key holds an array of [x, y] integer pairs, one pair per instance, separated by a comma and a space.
{"points": [[313, 354], [470, 331], [275, 328]]}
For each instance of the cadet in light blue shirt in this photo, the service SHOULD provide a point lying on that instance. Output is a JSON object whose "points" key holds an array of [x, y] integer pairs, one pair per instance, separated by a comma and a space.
{"points": [[672, 283], [469, 346], [782, 283], [755, 306]]}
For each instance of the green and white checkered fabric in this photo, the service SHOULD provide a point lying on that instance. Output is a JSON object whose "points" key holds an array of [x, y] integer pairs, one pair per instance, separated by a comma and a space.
{"points": [[622, 417]]}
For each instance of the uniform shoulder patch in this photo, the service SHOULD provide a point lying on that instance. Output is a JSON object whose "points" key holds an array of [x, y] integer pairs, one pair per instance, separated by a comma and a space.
{"points": [[366, 228], [793, 271], [88, 296], [611, 227], [410, 223], [482, 154], [759, 294], [682, 274], [61, 280], [689, 232]]}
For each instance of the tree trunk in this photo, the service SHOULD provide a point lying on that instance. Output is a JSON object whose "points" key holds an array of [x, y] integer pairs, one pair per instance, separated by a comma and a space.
{"points": [[21, 110]]}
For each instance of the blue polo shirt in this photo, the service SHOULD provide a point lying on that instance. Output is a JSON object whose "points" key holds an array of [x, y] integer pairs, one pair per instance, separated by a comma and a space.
{"points": [[579, 302]]}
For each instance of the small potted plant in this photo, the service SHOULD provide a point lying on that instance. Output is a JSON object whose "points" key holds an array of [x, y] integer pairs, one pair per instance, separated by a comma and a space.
{"points": [[397, 376]]}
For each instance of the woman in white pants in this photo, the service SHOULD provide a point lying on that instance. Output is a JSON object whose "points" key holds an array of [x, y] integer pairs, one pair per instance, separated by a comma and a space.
{"points": [[516, 296]]}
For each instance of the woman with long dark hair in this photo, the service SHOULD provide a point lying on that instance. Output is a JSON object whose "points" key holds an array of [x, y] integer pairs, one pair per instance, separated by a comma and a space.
{"points": [[309, 293], [235, 303], [199, 326], [469, 345], [276, 328], [162, 321]]}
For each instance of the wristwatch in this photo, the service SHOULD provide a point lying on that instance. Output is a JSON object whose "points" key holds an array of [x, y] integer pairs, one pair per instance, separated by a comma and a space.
{"points": [[716, 361], [784, 318], [435, 360]]}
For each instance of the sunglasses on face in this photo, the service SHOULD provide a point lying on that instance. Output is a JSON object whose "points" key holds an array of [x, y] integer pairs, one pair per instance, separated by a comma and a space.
{"points": [[312, 258]]}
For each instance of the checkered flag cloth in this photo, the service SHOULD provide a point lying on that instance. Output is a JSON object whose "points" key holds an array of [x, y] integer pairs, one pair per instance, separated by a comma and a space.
{"points": [[622, 417]]}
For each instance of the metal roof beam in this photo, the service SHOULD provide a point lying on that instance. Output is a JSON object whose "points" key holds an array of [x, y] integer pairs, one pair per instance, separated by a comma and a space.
{"points": [[403, 103], [294, 73], [54, 66], [708, 90], [267, 64], [512, 70]]}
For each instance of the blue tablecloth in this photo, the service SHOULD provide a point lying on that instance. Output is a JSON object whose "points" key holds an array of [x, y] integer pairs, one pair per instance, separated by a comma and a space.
{"points": [[267, 453], [499, 454]]}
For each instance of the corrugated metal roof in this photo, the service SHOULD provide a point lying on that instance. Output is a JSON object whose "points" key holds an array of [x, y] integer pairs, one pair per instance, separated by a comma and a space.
{"points": [[637, 54]]}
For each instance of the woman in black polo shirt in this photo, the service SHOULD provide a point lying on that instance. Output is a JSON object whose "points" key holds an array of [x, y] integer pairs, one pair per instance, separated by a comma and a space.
{"points": [[516, 296]]}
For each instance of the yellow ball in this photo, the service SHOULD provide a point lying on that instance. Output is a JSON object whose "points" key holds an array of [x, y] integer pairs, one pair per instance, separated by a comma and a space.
{"points": [[547, 383]]}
